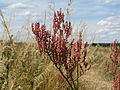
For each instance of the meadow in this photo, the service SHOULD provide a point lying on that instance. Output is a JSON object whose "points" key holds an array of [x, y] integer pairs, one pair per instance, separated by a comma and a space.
{"points": [[22, 68]]}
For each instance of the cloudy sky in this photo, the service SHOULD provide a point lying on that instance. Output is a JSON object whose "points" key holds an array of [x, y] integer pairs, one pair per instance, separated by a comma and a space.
{"points": [[102, 17]]}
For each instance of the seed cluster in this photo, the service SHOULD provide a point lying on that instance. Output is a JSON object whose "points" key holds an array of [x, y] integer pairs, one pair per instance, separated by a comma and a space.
{"points": [[62, 52], [114, 67]]}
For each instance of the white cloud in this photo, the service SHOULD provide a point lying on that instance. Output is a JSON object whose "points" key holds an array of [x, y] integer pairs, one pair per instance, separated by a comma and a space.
{"points": [[107, 1], [110, 18], [100, 30], [24, 13], [19, 5], [110, 22], [114, 32], [27, 13], [104, 22], [110, 25]]}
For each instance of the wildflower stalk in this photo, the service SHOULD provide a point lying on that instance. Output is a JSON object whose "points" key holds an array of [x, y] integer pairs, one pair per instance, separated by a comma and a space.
{"points": [[115, 63], [77, 76], [5, 25], [61, 72], [62, 52], [119, 80]]}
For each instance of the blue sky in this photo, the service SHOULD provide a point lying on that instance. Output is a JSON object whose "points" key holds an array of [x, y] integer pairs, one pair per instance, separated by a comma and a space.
{"points": [[102, 17]]}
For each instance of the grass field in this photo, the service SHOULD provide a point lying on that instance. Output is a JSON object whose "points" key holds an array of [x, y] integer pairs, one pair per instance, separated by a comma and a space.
{"points": [[23, 68]]}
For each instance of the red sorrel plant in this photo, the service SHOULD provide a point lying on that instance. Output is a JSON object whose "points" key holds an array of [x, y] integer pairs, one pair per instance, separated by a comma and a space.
{"points": [[69, 57], [114, 66]]}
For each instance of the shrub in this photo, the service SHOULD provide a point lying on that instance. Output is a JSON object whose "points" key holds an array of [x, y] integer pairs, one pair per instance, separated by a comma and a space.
{"points": [[69, 57]]}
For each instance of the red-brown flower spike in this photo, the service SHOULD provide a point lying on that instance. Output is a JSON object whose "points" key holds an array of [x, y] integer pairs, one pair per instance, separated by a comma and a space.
{"points": [[114, 65], [63, 53], [119, 80]]}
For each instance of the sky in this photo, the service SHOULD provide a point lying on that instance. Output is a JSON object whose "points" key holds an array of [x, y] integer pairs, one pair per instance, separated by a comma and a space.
{"points": [[101, 17]]}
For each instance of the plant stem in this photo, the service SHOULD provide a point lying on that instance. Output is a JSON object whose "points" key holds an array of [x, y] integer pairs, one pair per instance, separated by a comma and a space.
{"points": [[65, 77], [74, 84], [77, 76], [61, 72], [5, 25]]}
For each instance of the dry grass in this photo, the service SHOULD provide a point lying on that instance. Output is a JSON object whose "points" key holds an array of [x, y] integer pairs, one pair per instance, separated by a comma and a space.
{"points": [[29, 70]]}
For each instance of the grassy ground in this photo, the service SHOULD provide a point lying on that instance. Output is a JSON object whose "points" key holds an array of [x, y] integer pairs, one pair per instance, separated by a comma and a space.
{"points": [[23, 68]]}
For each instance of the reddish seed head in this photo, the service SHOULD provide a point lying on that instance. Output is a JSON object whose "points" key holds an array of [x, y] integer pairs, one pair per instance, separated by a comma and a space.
{"points": [[119, 80], [61, 51], [114, 56]]}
